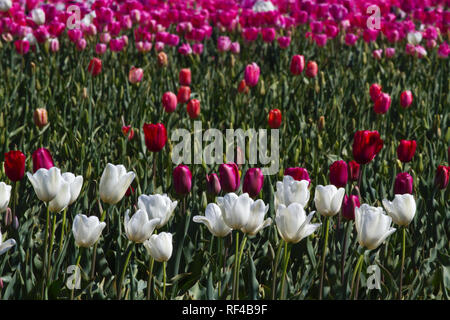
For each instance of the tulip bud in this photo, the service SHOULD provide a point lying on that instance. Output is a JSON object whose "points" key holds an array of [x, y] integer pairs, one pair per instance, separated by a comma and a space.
{"points": [[15, 165], [42, 159], [321, 123], [353, 170], [169, 101], [54, 45], [406, 99], [298, 174], [162, 59], [155, 136], [406, 150], [182, 179], [251, 74], [184, 93], [135, 75], [442, 177], [15, 223], [382, 104], [40, 117], [253, 182], [95, 66], [85, 93], [193, 108], [339, 173], [185, 77], [403, 183], [100, 48], [297, 64], [128, 132], [311, 69], [348, 206], [274, 120], [8, 217], [242, 88], [213, 184], [375, 91], [229, 177]]}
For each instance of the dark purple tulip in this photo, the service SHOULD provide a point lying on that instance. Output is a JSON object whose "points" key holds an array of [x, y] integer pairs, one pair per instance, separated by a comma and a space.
{"points": [[339, 173], [353, 167], [229, 177], [297, 173], [42, 159], [253, 182], [348, 206], [442, 177], [403, 183], [182, 179], [213, 184]]}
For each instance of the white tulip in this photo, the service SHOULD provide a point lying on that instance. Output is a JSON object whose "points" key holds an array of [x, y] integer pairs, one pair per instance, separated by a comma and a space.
{"points": [[38, 16], [5, 195], [372, 226], [328, 199], [256, 221], [263, 6], [46, 183], [213, 219], [62, 199], [159, 246], [414, 37], [87, 230], [292, 223], [5, 246], [402, 209], [139, 228], [75, 184], [5, 5], [290, 191], [236, 209], [114, 183], [30, 38], [157, 206]]}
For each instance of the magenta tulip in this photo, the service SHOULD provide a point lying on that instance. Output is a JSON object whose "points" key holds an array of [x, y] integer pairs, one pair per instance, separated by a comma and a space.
{"points": [[253, 182]]}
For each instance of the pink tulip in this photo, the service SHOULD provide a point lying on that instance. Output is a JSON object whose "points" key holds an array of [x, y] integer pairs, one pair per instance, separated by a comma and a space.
{"points": [[135, 75], [251, 74]]}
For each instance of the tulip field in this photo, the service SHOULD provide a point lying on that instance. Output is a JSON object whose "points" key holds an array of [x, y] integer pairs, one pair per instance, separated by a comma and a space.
{"points": [[97, 202]]}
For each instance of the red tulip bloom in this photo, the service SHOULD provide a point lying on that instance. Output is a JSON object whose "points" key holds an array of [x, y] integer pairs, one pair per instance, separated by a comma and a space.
{"points": [[375, 91], [274, 118], [382, 104], [297, 64], [169, 101], [42, 159], [442, 177], [406, 150], [366, 145], [311, 69], [339, 173], [403, 183], [242, 87], [353, 170], [15, 165], [182, 179], [184, 93], [185, 77], [406, 99], [348, 206], [155, 136], [297, 173], [253, 182], [193, 108], [95, 66], [229, 177], [128, 132]]}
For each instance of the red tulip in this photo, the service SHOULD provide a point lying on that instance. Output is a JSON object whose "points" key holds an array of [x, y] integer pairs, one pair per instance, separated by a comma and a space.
{"points": [[406, 150], [339, 173], [348, 206], [182, 179], [403, 183], [128, 132], [95, 66], [274, 118], [375, 91], [42, 159], [185, 77], [15, 165], [311, 69], [354, 170], [229, 177], [169, 101], [213, 184], [155, 136], [382, 104], [242, 88], [297, 64], [253, 182], [442, 177], [184, 93], [366, 145], [406, 99], [297, 173], [193, 108]]}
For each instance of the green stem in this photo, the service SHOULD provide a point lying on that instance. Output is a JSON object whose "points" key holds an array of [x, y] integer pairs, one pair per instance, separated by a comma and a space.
{"points": [[180, 246], [287, 255], [323, 258], [361, 257], [219, 266], [275, 268], [357, 279], [150, 276], [236, 256], [52, 238], [76, 270], [47, 221], [62, 230], [94, 253], [244, 241], [164, 280], [403, 263], [122, 276]]}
